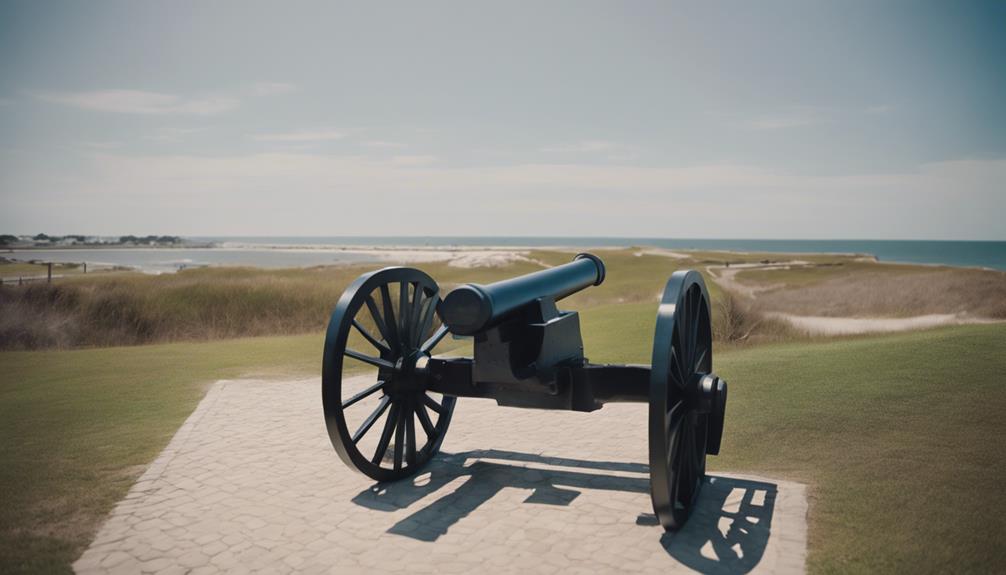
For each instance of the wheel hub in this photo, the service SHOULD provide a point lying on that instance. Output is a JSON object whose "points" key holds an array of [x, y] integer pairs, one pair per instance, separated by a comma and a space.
{"points": [[410, 373]]}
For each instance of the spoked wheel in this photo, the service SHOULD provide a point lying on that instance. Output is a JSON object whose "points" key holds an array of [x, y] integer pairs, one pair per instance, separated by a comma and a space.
{"points": [[683, 392], [387, 425]]}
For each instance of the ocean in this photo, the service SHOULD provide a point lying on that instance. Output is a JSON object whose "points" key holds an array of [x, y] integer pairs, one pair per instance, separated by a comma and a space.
{"points": [[275, 252]]}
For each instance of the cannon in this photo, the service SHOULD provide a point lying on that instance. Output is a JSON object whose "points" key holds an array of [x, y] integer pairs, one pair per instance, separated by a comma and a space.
{"points": [[527, 353]]}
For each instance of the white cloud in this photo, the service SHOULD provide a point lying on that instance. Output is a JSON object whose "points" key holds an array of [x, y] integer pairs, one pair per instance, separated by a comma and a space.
{"points": [[140, 102], [798, 117], [102, 145], [170, 134], [301, 136], [583, 146], [312, 193], [273, 88], [382, 144], [415, 160]]}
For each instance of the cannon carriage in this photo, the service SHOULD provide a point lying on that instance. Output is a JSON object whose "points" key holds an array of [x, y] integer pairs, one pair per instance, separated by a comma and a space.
{"points": [[527, 353]]}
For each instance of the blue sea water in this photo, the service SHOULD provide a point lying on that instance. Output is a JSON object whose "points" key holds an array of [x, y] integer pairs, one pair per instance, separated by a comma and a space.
{"points": [[953, 253]]}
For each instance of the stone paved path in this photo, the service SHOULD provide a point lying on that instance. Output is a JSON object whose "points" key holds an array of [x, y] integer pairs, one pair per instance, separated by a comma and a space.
{"points": [[250, 483]]}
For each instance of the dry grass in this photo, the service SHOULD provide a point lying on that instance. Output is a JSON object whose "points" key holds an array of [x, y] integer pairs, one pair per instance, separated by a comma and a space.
{"points": [[738, 320], [220, 303], [883, 293], [191, 305]]}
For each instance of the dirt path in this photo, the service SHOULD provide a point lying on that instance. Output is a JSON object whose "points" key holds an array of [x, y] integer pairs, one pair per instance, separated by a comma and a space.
{"points": [[823, 325]]}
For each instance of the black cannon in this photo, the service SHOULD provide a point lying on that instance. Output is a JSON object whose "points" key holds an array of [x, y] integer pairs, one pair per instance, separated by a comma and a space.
{"points": [[527, 353]]}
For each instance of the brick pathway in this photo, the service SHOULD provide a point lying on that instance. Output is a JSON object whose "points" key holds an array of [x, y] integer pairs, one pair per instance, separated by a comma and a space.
{"points": [[250, 483]]}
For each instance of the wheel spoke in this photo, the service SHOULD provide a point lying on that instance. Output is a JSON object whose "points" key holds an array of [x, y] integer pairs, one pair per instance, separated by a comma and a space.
{"points": [[365, 393], [410, 440], [424, 419], [432, 404], [389, 318], [403, 313], [702, 357], [676, 374], [389, 428], [684, 476], [365, 427], [673, 419], [674, 464], [414, 316], [696, 320], [378, 320], [686, 330], [375, 361], [373, 340], [434, 339], [399, 441], [429, 310]]}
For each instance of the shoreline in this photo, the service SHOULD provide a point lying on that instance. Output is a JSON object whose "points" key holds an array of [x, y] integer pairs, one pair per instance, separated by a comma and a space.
{"points": [[439, 253]]}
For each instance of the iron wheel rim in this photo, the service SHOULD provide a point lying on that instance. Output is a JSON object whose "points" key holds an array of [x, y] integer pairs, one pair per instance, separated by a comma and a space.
{"points": [[399, 330], [678, 432]]}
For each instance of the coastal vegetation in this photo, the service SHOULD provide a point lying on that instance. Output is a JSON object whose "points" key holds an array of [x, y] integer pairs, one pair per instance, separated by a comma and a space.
{"points": [[893, 434], [748, 292]]}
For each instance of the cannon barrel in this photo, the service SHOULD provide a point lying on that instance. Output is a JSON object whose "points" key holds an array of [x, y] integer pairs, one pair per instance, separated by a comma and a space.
{"points": [[472, 307]]}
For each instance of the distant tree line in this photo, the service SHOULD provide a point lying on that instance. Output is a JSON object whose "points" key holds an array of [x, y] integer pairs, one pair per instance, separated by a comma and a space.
{"points": [[8, 239], [149, 239]]}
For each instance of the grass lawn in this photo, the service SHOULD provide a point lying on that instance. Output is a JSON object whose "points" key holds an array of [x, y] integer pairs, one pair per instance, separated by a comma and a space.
{"points": [[79, 427], [899, 437], [902, 438]]}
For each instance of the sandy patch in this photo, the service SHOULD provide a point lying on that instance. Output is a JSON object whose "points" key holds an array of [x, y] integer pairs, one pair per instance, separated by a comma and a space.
{"points": [[821, 325], [726, 276], [462, 258], [662, 252]]}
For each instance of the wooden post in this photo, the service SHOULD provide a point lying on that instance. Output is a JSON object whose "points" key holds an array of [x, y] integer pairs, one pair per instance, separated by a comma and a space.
{"points": [[85, 267], [48, 278]]}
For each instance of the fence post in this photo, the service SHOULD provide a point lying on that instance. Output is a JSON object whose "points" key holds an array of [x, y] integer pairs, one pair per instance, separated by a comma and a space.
{"points": [[48, 278], [85, 267]]}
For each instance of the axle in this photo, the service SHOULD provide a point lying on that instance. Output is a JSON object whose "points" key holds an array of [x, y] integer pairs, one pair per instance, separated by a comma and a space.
{"points": [[585, 387]]}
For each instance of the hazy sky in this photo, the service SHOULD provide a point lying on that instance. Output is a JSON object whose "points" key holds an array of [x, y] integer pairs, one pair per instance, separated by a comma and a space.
{"points": [[875, 119]]}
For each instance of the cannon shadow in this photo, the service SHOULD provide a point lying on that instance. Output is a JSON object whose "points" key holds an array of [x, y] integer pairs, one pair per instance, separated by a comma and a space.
{"points": [[727, 532]]}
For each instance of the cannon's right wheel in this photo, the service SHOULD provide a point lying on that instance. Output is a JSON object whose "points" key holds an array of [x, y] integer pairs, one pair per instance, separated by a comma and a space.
{"points": [[388, 425], [682, 358]]}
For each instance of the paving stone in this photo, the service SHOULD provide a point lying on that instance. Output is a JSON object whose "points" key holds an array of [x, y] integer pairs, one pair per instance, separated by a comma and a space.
{"points": [[250, 484]]}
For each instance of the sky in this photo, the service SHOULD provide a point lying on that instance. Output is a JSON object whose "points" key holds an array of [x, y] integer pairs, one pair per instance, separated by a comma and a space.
{"points": [[803, 119]]}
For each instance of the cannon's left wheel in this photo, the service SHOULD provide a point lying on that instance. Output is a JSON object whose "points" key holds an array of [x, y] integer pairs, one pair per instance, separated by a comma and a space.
{"points": [[678, 426], [387, 425]]}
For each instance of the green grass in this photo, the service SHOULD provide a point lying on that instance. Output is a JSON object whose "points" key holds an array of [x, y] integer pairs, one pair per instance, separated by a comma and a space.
{"points": [[899, 437], [79, 426]]}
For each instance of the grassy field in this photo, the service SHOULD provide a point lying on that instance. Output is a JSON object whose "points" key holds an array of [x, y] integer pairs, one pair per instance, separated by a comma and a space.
{"points": [[900, 437], [13, 270], [220, 303], [843, 288]]}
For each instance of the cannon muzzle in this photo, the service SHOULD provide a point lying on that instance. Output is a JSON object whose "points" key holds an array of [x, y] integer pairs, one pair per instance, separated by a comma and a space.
{"points": [[472, 308]]}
